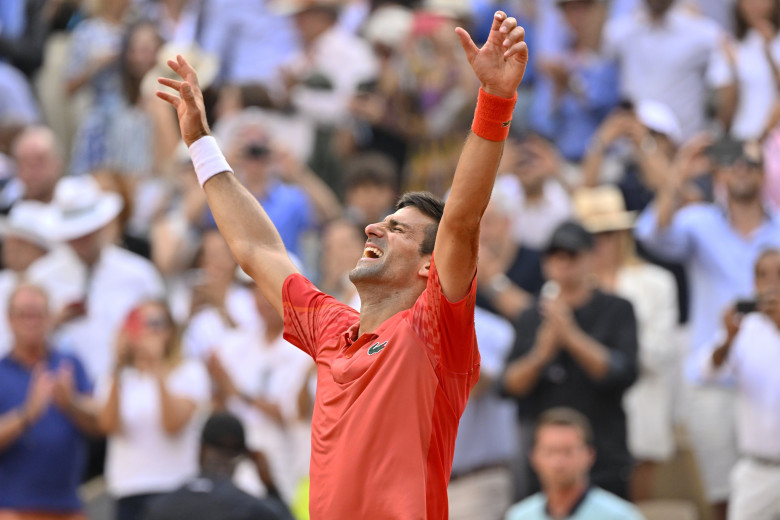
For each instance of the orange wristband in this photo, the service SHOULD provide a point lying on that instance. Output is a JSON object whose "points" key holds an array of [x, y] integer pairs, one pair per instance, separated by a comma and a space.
{"points": [[493, 116]]}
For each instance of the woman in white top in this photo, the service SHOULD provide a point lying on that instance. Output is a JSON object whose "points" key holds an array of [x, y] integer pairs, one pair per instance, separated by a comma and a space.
{"points": [[152, 406], [653, 294], [752, 61]]}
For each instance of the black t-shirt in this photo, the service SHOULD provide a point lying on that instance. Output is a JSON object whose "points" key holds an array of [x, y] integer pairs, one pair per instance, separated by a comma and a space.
{"points": [[207, 498], [610, 321]]}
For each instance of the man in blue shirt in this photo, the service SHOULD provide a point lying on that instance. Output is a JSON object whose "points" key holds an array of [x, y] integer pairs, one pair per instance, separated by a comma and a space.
{"points": [[718, 244], [44, 413], [562, 456]]}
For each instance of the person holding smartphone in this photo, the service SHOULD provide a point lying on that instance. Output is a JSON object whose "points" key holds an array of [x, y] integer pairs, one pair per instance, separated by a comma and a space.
{"points": [[149, 411], [749, 351]]}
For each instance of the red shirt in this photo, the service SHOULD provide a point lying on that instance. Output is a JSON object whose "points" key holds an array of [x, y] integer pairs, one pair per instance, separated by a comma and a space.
{"points": [[388, 403]]}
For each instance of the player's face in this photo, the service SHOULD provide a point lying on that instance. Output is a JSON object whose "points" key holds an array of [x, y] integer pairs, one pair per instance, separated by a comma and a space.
{"points": [[560, 457], [392, 251]]}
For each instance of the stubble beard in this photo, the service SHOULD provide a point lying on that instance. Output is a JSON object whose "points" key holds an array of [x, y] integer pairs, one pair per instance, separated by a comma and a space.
{"points": [[366, 273]]}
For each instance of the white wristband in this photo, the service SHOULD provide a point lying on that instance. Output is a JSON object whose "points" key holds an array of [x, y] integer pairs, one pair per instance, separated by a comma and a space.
{"points": [[207, 159]]}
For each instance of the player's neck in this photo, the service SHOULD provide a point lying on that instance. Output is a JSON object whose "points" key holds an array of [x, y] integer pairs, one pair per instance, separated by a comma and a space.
{"points": [[375, 308]]}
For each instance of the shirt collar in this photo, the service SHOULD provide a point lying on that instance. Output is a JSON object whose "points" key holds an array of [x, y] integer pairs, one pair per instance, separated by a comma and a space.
{"points": [[574, 507]]}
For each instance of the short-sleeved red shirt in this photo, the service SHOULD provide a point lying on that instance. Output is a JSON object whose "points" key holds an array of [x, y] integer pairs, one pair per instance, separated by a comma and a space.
{"points": [[388, 403]]}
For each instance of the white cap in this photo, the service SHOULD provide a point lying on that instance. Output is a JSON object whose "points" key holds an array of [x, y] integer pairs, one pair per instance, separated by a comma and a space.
{"points": [[659, 117]]}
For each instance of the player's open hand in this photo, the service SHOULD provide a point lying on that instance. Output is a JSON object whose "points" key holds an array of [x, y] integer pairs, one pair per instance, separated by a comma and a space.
{"points": [[189, 103], [500, 63]]}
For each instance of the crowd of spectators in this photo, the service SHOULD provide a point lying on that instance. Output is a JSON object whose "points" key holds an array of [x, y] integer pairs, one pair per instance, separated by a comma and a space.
{"points": [[628, 279]]}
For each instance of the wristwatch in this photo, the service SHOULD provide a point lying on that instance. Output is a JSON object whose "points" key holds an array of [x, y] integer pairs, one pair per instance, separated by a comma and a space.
{"points": [[499, 283]]}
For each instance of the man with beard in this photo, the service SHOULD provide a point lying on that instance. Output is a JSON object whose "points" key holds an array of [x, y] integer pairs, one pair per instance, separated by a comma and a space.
{"points": [[718, 244], [393, 380]]}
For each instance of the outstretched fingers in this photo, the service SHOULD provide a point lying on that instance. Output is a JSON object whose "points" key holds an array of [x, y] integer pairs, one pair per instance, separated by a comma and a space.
{"points": [[169, 98]]}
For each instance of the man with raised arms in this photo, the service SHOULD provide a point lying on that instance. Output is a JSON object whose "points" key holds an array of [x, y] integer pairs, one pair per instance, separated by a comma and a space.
{"points": [[393, 380]]}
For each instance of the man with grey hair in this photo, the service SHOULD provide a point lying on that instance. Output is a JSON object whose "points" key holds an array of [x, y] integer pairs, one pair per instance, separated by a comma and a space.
{"points": [[39, 165]]}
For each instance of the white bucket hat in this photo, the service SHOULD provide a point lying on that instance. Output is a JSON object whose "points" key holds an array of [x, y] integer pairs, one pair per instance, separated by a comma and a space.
{"points": [[28, 220], [81, 208]]}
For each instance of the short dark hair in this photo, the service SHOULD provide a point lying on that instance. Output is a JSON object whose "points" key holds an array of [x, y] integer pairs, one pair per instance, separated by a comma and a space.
{"points": [[429, 205], [562, 416]]}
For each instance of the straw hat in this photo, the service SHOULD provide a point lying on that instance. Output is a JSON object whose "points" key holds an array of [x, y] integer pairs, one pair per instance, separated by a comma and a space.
{"points": [[205, 64], [28, 220], [602, 209], [81, 208]]}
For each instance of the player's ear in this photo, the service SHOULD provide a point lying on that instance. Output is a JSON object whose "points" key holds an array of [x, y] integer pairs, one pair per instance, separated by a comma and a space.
{"points": [[425, 268]]}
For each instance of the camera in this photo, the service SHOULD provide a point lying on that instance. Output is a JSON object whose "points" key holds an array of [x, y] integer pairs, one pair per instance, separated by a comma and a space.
{"points": [[747, 306]]}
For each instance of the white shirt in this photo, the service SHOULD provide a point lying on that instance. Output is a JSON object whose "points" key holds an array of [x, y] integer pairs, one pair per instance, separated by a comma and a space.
{"points": [[534, 223], [753, 360], [277, 372], [649, 402], [118, 282], [757, 85], [142, 457], [207, 328], [666, 61]]}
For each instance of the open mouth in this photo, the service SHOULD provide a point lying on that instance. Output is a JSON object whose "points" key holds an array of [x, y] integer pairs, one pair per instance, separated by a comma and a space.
{"points": [[372, 252]]}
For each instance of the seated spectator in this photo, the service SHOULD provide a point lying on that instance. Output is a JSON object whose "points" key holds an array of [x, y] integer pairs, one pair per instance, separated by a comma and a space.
{"points": [[93, 283], [509, 273], [480, 485], [342, 245], [218, 302], [562, 456], [749, 351], [150, 410], [578, 348], [39, 165], [258, 376], [370, 188], [23, 243], [532, 177], [212, 495], [44, 413], [653, 294], [577, 89]]}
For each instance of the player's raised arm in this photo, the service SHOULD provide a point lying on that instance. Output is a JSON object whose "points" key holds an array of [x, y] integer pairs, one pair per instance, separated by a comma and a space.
{"points": [[499, 65], [252, 237]]}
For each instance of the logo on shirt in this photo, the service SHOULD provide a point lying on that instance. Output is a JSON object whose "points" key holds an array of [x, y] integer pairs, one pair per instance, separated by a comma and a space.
{"points": [[376, 347]]}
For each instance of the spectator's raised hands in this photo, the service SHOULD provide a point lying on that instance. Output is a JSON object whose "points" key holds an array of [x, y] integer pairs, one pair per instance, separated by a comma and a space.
{"points": [[39, 394], [189, 105], [500, 63]]}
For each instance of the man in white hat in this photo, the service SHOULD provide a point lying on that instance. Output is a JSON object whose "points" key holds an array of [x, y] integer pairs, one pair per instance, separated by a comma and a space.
{"points": [[23, 244], [92, 283]]}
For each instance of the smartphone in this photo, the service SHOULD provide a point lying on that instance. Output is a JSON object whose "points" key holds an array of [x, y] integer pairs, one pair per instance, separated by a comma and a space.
{"points": [[747, 306]]}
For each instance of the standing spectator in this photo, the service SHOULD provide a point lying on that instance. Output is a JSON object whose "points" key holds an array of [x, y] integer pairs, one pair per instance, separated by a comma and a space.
{"points": [[717, 243], [480, 485], [653, 294], [370, 188], [44, 413], [749, 350], [23, 244], [39, 165], [688, 43], [575, 90], [212, 495], [753, 64], [578, 349], [92, 283], [150, 409], [562, 456]]}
